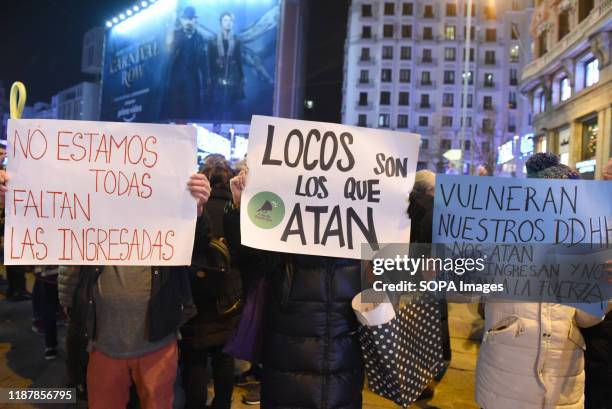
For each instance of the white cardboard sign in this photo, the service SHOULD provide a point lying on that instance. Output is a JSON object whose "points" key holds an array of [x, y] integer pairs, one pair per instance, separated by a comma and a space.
{"points": [[325, 189], [99, 193]]}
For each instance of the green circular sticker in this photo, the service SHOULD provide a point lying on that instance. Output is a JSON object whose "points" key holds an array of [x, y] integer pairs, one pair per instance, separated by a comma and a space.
{"points": [[266, 210]]}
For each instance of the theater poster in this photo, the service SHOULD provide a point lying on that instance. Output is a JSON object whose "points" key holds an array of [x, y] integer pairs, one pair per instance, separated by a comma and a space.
{"points": [[192, 60]]}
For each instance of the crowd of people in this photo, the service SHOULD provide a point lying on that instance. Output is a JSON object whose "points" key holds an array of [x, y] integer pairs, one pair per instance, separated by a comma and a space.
{"points": [[137, 333]]}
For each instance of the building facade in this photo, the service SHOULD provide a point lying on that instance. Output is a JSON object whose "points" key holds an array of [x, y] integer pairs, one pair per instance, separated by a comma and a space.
{"points": [[569, 83], [81, 102], [404, 70]]}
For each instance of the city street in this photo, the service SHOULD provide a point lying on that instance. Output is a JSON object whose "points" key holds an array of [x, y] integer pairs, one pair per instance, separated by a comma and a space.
{"points": [[22, 363]]}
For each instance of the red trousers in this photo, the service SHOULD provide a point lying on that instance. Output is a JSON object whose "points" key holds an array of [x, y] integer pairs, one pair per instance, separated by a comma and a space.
{"points": [[109, 379]]}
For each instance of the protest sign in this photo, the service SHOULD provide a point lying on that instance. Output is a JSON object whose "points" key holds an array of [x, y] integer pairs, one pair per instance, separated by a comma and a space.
{"points": [[99, 193], [325, 189], [544, 239]]}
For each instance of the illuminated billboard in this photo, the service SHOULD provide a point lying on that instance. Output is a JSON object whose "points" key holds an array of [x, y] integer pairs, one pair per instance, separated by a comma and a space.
{"points": [[192, 60]]}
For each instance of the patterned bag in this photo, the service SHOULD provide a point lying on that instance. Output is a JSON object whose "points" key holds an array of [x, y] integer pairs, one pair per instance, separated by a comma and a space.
{"points": [[404, 355]]}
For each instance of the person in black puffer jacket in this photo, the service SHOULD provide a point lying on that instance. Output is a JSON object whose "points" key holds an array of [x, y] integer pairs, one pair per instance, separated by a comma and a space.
{"points": [[311, 354]]}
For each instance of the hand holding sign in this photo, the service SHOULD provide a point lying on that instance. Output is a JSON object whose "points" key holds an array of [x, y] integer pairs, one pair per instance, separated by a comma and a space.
{"points": [[237, 185]]}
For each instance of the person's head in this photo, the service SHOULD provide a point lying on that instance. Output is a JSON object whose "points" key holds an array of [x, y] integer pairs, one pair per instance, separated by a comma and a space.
{"points": [[482, 171], [607, 170], [227, 21], [217, 169], [188, 19], [425, 182], [2, 153], [547, 166]]}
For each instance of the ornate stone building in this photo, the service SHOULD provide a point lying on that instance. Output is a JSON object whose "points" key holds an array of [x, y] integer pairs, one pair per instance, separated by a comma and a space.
{"points": [[569, 83]]}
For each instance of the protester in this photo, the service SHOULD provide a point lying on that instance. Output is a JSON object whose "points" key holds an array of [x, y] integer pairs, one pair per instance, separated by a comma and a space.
{"points": [[532, 353], [131, 316], [217, 292], [45, 305], [598, 353], [311, 354], [420, 211]]}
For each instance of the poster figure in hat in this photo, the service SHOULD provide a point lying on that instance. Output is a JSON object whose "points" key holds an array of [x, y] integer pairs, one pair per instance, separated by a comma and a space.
{"points": [[225, 61], [188, 77]]}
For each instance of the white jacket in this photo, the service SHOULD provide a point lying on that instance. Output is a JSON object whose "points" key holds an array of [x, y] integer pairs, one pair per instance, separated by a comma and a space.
{"points": [[531, 357]]}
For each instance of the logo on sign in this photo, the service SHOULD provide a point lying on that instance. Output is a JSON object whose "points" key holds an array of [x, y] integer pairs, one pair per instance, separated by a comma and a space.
{"points": [[266, 210]]}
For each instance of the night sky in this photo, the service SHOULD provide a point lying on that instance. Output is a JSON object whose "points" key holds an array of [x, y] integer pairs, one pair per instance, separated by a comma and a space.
{"points": [[41, 40]]}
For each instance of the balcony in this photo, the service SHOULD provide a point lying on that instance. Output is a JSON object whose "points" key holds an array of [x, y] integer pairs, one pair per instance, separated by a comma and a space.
{"points": [[599, 16], [426, 84], [428, 61], [489, 85], [425, 107], [366, 61], [365, 83], [363, 107], [487, 108]]}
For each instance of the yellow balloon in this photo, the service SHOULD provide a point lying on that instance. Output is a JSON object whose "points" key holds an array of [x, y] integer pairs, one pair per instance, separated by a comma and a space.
{"points": [[17, 99]]}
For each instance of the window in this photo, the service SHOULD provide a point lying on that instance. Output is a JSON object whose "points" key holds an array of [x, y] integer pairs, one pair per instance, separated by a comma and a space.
{"points": [[388, 31], [514, 31], [427, 55], [451, 10], [491, 35], [470, 100], [404, 75], [512, 100], [449, 77], [366, 10], [591, 71], [513, 76], [427, 33], [488, 80], [489, 12], [485, 147], [404, 98], [385, 98], [450, 54], [449, 32], [387, 52], [406, 31], [406, 9], [473, 10], [542, 101], [366, 32], [428, 11], [471, 54], [385, 75], [490, 57], [543, 43], [402, 121], [424, 144], [362, 120], [487, 103], [423, 121], [566, 89], [425, 101], [467, 145], [472, 32], [584, 8], [448, 100], [446, 144], [364, 76], [447, 121], [389, 9], [515, 53], [363, 98], [365, 54], [406, 52], [590, 132], [469, 77], [425, 78], [468, 122], [564, 26], [511, 124], [487, 125], [384, 120]]}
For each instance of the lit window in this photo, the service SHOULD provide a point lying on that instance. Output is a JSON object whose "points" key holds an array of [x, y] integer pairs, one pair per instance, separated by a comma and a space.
{"points": [[383, 120], [450, 32], [514, 53], [566, 89], [592, 72]]}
